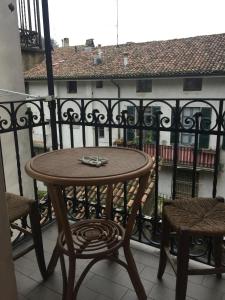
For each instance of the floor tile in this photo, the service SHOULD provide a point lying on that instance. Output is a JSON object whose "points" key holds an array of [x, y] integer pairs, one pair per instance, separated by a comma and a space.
{"points": [[123, 279], [108, 280], [87, 294], [200, 292], [25, 284], [130, 295], [160, 292], [212, 282], [43, 293], [106, 287]]}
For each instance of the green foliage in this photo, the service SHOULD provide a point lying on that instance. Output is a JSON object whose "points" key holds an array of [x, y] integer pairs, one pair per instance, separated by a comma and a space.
{"points": [[41, 194], [147, 138]]}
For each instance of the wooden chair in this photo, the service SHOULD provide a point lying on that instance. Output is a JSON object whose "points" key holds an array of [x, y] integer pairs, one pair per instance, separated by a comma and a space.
{"points": [[18, 208], [191, 218]]}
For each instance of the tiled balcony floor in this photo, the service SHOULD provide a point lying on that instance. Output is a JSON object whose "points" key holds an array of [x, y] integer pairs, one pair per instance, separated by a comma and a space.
{"points": [[108, 280]]}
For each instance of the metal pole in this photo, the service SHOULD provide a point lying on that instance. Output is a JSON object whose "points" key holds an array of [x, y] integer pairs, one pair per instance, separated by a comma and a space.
{"points": [[48, 58]]}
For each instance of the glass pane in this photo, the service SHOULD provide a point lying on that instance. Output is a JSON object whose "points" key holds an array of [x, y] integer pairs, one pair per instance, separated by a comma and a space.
{"points": [[185, 139]]}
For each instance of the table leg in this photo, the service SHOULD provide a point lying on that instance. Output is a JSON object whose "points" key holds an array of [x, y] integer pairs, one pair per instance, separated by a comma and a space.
{"points": [[53, 261], [55, 193]]}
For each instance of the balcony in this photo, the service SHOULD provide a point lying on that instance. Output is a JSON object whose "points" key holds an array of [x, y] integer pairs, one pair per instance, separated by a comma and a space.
{"points": [[64, 123], [110, 281], [77, 123], [29, 24]]}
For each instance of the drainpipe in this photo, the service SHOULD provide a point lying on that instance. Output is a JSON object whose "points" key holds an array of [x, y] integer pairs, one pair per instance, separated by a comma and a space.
{"points": [[119, 107]]}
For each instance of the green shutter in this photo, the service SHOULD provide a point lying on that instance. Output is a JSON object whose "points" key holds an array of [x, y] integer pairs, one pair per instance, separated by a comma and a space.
{"points": [[154, 110], [223, 142], [204, 138], [172, 134], [130, 131]]}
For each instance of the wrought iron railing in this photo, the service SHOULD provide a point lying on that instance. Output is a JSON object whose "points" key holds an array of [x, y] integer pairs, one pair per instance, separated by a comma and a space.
{"points": [[29, 23], [144, 124]]}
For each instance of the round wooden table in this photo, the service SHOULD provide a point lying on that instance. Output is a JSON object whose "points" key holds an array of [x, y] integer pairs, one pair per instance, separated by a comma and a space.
{"points": [[99, 238]]}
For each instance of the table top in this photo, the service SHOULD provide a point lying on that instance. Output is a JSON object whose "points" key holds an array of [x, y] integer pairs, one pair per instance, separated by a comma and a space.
{"points": [[65, 168]]}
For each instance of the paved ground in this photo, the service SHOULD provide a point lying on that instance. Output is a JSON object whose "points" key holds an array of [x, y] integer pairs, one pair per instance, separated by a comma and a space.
{"points": [[108, 280]]}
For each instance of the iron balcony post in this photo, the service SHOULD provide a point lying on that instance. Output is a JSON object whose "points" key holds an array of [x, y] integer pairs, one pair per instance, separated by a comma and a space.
{"points": [[217, 156], [50, 81]]}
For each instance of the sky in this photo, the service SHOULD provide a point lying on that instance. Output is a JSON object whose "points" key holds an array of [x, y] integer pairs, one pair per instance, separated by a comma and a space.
{"points": [[138, 20]]}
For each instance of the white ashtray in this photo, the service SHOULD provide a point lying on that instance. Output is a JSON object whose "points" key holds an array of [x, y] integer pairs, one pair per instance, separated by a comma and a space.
{"points": [[96, 161]]}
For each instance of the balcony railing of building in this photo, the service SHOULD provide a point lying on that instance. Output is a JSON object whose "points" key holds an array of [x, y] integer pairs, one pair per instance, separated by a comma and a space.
{"points": [[205, 159], [146, 123], [29, 24]]}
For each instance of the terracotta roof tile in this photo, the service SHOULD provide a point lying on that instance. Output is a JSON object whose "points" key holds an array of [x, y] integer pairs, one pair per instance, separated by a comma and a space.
{"points": [[201, 55]]}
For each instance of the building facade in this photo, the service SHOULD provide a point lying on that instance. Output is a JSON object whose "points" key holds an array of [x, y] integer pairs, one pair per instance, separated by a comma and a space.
{"points": [[120, 73]]}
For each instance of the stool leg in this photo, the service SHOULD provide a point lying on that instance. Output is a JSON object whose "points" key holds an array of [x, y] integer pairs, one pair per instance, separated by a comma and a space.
{"points": [[164, 244], [218, 241], [182, 265], [37, 238], [133, 273]]}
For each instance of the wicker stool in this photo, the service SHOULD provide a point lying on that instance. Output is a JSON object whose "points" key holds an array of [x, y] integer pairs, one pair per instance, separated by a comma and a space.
{"points": [[18, 208], [191, 218]]}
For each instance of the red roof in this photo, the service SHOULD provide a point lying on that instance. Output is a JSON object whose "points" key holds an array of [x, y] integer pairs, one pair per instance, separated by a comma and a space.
{"points": [[195, 56]]}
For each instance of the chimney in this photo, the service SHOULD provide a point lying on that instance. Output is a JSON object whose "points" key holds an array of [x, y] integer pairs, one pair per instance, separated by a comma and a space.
{"points": [[90, 43], [65, 42], [125, 59]]}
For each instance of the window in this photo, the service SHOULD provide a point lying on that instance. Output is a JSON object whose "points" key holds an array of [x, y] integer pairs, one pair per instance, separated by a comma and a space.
{"points": [[149, 136], [71, 87], [188, 138], [184, 184], [223, 142], [99, 84], [101, 132], [192, 84], [144, 86], [27, 87]]}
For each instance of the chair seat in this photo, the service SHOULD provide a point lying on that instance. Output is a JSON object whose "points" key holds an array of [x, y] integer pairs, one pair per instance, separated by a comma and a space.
{"points": [[93, 238], [201, 216], [18, 206]]}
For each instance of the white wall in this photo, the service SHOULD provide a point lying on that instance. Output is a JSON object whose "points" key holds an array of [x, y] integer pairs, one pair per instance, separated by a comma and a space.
{"points": [[12, 79]]}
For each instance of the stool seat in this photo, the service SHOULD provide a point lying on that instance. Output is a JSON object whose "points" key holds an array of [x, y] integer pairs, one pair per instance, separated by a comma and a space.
{"points": [[93, 238], [18, 206], [190, 218], [200, 216]]}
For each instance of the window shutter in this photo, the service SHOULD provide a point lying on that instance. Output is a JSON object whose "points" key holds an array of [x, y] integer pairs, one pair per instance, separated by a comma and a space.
{"points": [[223, 142], [172, 134], [130, 131], [154, 133], [204, 138]]}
